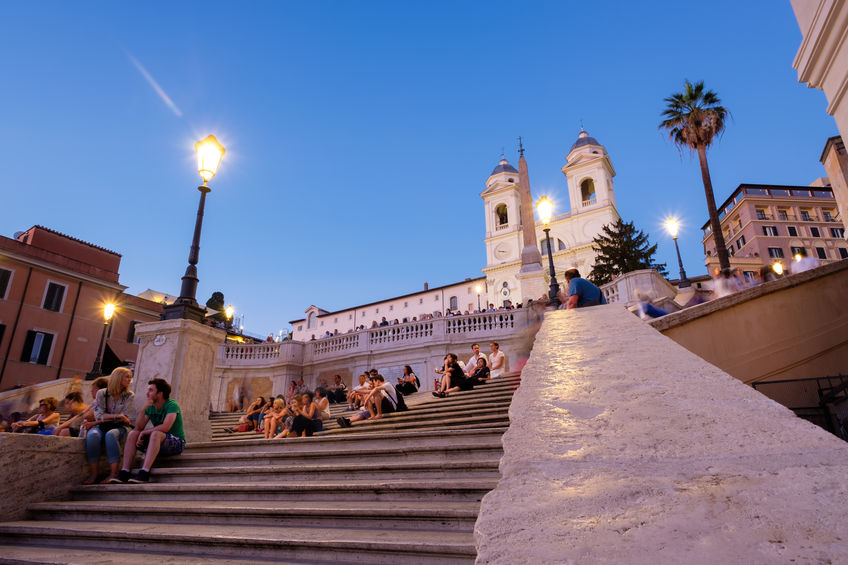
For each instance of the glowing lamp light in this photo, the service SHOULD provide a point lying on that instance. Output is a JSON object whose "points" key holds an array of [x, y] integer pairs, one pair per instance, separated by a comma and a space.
{"points": [[478, 288], [228, 312], [108, 311], [545, 207], [797, 257], [672, 226], [209, 155], [777, 268]]}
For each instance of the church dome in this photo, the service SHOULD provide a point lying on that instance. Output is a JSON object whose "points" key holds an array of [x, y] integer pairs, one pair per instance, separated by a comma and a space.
{"points": [[583, 139], [504, 167]]}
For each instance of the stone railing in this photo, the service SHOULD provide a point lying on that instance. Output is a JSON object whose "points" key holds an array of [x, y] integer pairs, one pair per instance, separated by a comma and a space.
{"points": [[382, 339], [623, 288]]}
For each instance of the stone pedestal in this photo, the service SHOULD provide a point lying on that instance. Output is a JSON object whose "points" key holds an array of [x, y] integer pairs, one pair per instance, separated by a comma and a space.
{"points": [[183, 353], [531, 280]]}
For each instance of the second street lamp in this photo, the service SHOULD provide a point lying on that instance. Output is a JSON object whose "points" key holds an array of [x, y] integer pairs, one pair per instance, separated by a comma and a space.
{"points": [[672, 226], [478, 288], [546, 208], [209, 155], [108, 312]]}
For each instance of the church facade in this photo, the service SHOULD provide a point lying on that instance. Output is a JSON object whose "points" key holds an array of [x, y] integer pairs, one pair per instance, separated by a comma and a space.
{"points": [[589, 176], [513, 273]]}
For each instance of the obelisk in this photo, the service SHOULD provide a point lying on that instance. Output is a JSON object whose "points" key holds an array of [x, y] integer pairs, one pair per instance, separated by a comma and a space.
{"points": [[531, 276]]}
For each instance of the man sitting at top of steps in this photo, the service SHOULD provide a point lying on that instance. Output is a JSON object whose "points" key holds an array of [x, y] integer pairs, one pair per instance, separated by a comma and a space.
{"points": [[381, 400], [165, 438]]}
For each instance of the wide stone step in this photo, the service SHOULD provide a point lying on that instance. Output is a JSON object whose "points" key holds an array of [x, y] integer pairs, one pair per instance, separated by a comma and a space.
{"points": [[409, 439], [483, 449], [433, 470], [453, 516], [306, 544], [353, 491], [29, 555]]}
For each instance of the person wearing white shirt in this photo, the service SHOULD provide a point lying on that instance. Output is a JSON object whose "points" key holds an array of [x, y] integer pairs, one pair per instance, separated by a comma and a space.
{"points": [[472, 361], [496, 360]]}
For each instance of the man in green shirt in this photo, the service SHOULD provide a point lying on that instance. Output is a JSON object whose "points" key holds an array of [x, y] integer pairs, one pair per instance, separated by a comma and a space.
{"points": [[165, 438]]}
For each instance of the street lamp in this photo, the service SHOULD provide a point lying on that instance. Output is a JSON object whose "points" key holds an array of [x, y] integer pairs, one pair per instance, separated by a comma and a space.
{"points": [[672, 226], [777, 268], [479, 289], [108, 312], [209, 155], [546, 208], [228, 313]]}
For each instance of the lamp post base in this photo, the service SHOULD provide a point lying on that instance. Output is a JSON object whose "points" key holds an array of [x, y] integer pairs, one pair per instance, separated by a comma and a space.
{"points": [[185, 311]]}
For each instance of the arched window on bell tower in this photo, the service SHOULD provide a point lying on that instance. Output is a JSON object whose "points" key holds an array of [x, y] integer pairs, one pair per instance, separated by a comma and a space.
{"points": [[501, 215], [310, 320], [587, 191]]}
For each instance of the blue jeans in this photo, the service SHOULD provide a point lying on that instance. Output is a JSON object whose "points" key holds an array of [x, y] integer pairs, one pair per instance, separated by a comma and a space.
{"points": [[114, 439]]}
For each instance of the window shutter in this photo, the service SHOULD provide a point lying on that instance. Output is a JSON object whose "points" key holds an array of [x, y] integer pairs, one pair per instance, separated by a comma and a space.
{"points": [[27, 350]]}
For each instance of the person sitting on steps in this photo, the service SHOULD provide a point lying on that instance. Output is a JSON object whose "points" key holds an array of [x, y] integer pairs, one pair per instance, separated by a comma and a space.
{"points": [[308, 420], [408, 383], [166, 438], [452, 376], [381, 400]]}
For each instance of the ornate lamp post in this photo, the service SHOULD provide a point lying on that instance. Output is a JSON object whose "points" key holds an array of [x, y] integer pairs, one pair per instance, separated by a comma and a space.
{"points": [[546, 208], [479, 289], [209, 155], [108, 312], [228, 313], [777, 268], [672, 226]]}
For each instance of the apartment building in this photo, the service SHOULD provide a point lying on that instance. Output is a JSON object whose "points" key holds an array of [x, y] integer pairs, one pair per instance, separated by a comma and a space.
{"points": [[763, 224]]}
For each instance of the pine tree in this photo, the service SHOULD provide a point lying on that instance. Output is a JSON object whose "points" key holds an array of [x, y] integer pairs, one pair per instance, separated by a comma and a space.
{"points": [[622, 249]]}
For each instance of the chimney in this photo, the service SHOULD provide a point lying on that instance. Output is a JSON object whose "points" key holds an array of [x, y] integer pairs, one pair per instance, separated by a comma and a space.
{"points": [[426, 286]]}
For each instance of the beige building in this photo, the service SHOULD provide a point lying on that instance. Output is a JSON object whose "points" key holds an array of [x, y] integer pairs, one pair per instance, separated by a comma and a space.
{"points": [[822, 62]]}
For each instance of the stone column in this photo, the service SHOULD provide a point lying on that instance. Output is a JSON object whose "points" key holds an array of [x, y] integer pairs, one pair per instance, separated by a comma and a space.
{"points": [[183, 353], [531, 277]]}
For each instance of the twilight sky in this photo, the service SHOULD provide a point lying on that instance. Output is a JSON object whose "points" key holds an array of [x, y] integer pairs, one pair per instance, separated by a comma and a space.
{"points": [[359, 135]]}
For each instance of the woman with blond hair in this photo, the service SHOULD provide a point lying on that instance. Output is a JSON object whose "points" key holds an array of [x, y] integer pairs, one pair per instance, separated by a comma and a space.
{"points": [[114, 412]]}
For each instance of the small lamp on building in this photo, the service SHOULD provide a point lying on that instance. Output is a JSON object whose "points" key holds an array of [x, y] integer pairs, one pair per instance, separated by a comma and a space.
{"points": [[228, 322], [545, 207], [672, 226], [108, 312], [209, 155], [479, 289], [777, 267]]}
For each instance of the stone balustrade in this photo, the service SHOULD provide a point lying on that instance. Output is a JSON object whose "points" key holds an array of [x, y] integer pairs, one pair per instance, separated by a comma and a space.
{"points": [[486, 325]]}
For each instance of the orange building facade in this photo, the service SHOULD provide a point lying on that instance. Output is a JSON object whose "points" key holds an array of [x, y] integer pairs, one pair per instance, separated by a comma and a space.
{"points": [[53, 288]]}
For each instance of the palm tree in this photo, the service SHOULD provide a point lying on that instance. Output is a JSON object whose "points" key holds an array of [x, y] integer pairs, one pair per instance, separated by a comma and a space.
{"points": [[693, 119]]}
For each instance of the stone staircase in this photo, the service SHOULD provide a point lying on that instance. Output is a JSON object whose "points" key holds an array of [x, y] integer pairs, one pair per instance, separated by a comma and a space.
{"points": [[405, 488]]}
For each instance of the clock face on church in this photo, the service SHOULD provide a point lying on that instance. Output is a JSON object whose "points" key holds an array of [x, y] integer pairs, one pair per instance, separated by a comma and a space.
{"points": [[502, 252]]}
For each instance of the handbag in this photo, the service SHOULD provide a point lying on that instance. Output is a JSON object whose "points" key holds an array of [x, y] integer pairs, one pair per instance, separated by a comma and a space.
{"points": [[111, 424]]}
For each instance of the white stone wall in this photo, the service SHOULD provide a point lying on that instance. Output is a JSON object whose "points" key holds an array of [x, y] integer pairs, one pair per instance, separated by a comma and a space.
{"points": [[626, 448], [415, 305]]}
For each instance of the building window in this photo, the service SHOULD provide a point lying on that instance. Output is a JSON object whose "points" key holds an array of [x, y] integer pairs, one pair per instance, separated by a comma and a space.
{"points": [[731, 251], [406, 304], [53, 297], [750, 276], [2, 331], [827, 215], [793, 231], [587, 190], [454, 303], [761, 214], [391, 307], [783, 215], [834, 232], [775, 252], [814, 232], [5, 278], [740, 242], [798, 251], [436, 298], [376, 310], [821, 253], [805, 215], [131, 333], [843, 253], [501, 214], [770, 230], [37, 347], [420, 301], [310, 320]]}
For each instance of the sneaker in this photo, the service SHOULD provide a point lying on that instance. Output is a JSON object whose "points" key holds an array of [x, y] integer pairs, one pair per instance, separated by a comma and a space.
{"points": [[343, 422], [124, 476], [142, 477]]}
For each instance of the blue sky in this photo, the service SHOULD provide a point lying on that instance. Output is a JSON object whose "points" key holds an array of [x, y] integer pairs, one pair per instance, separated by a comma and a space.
{"points": [[360, 134]]}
